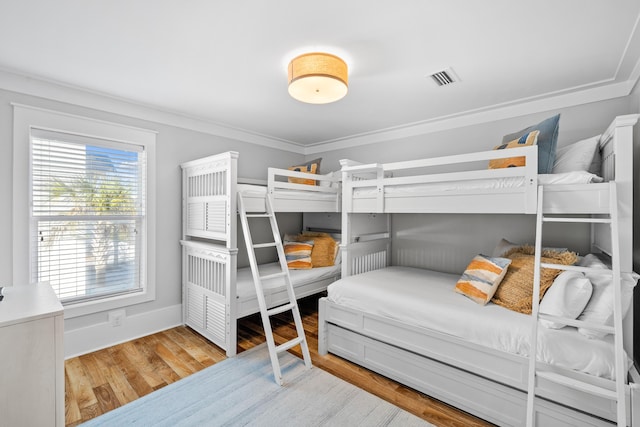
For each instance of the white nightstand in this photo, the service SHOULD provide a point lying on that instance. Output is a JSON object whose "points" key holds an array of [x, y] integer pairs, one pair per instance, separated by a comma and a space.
{"points": [[31, 357]]}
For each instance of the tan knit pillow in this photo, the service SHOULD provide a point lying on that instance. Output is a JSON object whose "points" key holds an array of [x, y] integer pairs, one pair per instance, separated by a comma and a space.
{"points": [[516, 289], [324, 248]]}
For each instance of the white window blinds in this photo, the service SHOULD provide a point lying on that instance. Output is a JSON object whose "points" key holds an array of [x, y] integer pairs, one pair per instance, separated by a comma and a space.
{"points": [[88, 215]]}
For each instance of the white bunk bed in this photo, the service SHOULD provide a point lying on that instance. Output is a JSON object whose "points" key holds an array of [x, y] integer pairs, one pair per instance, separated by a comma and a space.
{"points": [[215, 292], [479, 378]]}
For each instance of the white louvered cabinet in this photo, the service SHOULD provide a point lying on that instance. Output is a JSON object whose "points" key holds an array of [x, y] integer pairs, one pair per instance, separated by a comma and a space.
{"points": [[209, 246]]}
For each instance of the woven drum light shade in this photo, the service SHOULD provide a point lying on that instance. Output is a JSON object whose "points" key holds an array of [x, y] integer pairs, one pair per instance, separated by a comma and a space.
{"points": [[318, 78]]}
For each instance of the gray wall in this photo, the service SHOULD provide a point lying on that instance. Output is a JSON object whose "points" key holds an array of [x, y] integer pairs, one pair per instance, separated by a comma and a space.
{"points": [[448, 242], [174, 146]]}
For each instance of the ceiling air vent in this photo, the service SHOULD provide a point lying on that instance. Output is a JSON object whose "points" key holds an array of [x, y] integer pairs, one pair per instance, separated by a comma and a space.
{"points": [[445, 77]]}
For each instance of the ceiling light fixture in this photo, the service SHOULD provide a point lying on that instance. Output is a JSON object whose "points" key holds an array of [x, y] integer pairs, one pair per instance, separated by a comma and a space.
{"points": [[318, 78]]}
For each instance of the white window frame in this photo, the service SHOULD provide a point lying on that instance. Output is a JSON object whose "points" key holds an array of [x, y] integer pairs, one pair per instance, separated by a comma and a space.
{"points": [[26, 118]]}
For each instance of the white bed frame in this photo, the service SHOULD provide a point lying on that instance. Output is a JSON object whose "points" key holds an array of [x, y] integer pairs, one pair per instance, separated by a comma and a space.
{"points": [[485, 382], [211, 305]]}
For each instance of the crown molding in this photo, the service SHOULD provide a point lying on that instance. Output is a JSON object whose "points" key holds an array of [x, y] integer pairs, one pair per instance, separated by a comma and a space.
{"points": [[56, 91], [479, 116]]}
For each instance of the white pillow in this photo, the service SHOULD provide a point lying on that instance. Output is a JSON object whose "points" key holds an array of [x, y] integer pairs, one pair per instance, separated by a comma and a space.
{"points": [[578, 156], [567, 297], [326, 183], [338, 258], [599, 310], [330, 183]]}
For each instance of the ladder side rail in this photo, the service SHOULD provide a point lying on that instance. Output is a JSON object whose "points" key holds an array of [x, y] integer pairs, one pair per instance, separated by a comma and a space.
{"points": [[266, 323], [282, 259], [306, 355], [620, 362], [535, 303]]}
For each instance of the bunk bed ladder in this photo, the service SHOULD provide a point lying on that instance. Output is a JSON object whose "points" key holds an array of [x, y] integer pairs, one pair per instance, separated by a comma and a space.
{"points": [[615, 392], [258, 280]]}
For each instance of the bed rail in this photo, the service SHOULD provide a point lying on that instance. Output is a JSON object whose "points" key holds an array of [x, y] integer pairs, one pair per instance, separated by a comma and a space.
{"points": [[365, 256], [279, 179], [324, 196], [382, 178]]}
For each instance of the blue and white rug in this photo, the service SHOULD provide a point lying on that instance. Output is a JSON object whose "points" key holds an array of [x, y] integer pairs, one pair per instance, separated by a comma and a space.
{"points": [[242, 392]]}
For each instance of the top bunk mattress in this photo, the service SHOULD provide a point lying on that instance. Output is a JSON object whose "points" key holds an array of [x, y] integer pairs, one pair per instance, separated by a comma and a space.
{"points": [[426, 299]]}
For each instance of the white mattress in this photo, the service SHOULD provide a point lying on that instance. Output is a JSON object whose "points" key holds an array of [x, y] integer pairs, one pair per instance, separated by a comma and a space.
{"points": [[578, 177], [246, 288], [252, 190], [426, 299]]}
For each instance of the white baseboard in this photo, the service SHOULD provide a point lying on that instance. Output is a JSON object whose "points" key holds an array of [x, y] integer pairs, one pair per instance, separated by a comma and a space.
{"points": [[95, 337]]}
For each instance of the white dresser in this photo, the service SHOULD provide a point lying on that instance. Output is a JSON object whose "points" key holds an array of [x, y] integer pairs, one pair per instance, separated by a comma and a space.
{"points": [[31, 357]]}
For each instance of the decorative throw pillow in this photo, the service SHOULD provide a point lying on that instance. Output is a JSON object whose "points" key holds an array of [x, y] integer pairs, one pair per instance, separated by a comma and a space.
{"points": [[578, 156], [516, 290], [599, 309], [482, 277], [567, 297], [547, 141], [312, 166], [525, 140], [298, 255], [311, 169], [324, 248]]}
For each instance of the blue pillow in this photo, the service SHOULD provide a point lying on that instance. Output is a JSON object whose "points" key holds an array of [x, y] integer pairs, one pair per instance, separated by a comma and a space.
{"points": [[547, 141]]}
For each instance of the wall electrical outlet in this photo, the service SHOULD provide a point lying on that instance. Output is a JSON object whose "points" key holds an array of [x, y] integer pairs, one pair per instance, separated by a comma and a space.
{"points": [[116, 317]]}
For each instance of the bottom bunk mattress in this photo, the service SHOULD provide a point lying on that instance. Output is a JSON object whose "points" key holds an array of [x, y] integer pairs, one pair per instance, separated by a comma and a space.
{"points": [[426, 299], [246, 289]]}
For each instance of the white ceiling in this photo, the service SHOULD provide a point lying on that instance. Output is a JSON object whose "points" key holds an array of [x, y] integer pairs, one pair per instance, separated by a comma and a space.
{"points": [[224, 62]]}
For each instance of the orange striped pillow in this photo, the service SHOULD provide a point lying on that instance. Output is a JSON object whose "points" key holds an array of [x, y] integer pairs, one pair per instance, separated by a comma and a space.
{"points": [[525, 140], [298, 255], [481, 278]]}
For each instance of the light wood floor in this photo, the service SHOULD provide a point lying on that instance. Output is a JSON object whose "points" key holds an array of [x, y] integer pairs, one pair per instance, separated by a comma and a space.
{"points": [[98, 382]]}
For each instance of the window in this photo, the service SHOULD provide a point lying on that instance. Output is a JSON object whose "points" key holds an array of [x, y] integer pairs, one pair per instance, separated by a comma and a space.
{"points": [[88, 215], [83, 209]]}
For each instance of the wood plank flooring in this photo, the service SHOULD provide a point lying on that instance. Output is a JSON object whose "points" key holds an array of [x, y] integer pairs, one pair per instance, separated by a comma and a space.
{"points": [[98, 382]]}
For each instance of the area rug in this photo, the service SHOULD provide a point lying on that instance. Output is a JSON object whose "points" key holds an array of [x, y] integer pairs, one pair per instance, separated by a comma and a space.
{"points": [[242, 392]]}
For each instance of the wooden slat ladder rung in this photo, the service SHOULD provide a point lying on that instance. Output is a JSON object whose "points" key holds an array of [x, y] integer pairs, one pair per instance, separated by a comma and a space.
{"points": [[291, 305], [576, 268], [578, 220], [577, 323], [280, 309], [265, 245], [618, 391], [289, 344]]}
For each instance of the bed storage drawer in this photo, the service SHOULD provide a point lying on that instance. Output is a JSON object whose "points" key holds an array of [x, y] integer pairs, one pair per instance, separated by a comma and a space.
{"points": [[494, 402]]}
